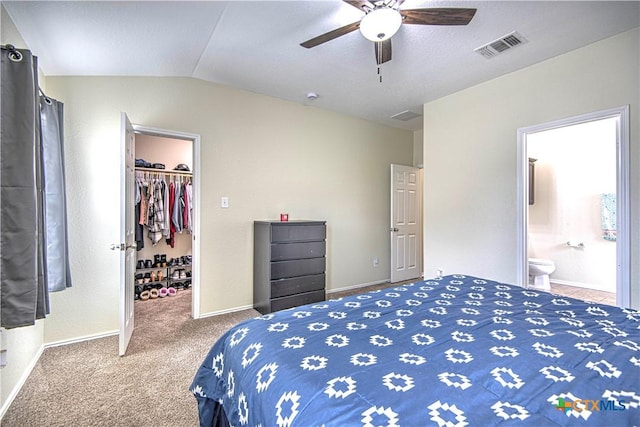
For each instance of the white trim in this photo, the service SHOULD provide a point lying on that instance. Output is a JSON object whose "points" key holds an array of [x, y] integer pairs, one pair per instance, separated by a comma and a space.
{"points": [[81, 339], [578, 285], [227, 311], [361, 285], [623, 240], [195, 241], [23, 379]]}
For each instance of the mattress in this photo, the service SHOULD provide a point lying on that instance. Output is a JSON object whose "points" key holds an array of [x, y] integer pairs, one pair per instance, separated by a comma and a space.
{"points": [[455, 351]]}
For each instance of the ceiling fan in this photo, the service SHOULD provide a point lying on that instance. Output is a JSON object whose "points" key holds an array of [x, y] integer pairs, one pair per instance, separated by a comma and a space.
{"points": [[383, 19]]}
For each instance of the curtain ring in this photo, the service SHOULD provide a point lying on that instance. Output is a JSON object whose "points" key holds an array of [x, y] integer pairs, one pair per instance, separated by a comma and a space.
{"points": [[14, 55]]}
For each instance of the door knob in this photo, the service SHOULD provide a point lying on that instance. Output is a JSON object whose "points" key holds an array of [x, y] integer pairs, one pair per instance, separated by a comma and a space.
{"points": [[394, 229]]}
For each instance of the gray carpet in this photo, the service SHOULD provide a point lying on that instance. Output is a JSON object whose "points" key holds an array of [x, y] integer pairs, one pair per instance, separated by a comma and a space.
{"points": [[88, 384]]}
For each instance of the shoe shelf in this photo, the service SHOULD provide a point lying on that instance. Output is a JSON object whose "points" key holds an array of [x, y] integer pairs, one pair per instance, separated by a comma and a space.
{"points": [[162, 273]]}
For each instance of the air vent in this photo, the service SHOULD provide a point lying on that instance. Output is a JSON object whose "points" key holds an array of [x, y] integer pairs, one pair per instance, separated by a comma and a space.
{"points": [[500, 45], [405, 116]]}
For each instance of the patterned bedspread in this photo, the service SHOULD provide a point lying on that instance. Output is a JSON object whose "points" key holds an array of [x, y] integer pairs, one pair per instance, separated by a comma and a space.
{"points": [[451, 352]]}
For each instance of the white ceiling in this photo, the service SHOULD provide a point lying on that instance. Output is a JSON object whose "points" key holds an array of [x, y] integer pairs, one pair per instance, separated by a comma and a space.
{"points": [[254, 45]]}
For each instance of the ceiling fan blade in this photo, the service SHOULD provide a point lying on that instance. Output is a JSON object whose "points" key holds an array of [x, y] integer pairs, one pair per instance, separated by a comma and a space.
{"points": [[330, 35], [438, 16], [359, 4], [383, 51]]}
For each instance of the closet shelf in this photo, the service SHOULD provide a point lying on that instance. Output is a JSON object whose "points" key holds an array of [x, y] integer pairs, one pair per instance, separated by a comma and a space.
{"points": [[164, 171]]}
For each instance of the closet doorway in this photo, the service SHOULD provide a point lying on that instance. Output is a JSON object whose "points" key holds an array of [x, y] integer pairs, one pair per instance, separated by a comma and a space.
{"points": [[166, 271]]}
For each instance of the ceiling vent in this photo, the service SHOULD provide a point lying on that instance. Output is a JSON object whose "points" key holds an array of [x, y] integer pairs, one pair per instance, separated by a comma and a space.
{"points": [[500, 45], [405, 116]]}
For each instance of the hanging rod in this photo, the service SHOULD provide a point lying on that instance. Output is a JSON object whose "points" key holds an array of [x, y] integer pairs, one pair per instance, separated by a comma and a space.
{"points": [[164, 171]]}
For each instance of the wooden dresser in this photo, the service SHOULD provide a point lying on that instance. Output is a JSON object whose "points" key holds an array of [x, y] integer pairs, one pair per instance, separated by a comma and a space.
{"points": [[288, 264]]}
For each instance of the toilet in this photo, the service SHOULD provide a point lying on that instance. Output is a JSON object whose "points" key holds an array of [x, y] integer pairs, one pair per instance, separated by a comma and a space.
{"points": [[539, 270]]}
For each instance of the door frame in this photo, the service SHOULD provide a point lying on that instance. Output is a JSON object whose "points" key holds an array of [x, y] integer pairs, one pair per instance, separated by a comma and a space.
{"points": [[623, 216], [195, 238]]}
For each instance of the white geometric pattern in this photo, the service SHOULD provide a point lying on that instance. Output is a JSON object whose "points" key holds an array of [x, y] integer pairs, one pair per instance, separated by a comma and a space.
{"points": [[250, 354], [509, 411], [504, 351], [238, 336], [556, 374], [270, 370], [363, 359], [455, 380], [435, 412], [288, 403], [392, 417], [458, 356], [412, 359], [334, 390], [398, 382], [604, 368], [314, 363], [511, 356], [502, 376], [547, 350]]}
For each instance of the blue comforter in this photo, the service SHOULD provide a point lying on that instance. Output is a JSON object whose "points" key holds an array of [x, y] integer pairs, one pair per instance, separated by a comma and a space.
{"points": [[456, 351]]}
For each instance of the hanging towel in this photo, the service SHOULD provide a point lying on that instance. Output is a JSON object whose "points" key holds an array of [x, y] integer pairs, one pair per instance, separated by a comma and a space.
{"points": [[608, 209]]}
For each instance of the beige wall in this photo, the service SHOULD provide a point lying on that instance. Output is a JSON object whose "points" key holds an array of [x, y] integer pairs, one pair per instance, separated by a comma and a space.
{"points": [[23, 344], [470, 153], [268, 156]]}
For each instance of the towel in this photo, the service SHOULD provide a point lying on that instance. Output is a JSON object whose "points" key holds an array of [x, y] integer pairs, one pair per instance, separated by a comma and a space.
{"points": [[608, 210]]}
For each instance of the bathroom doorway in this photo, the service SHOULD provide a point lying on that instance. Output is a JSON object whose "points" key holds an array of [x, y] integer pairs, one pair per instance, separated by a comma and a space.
{"points": [[574, 204]]}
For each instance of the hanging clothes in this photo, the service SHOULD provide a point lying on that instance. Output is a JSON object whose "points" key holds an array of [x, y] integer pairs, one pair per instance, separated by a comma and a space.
{"points": [[178, 205], [172, 228]]}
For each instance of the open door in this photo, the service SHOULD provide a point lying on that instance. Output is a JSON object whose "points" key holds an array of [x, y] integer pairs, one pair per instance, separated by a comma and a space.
{"points": [[127, 244], [406, 243]]}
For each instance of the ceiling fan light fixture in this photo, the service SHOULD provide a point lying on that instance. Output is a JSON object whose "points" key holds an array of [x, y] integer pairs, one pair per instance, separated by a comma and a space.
{"points": [[380, 24]]}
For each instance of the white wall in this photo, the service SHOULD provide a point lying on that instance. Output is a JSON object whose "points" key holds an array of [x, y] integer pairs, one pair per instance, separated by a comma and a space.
{"points": [[23, 344], [470, 152], [268, 156], [575, 166]]}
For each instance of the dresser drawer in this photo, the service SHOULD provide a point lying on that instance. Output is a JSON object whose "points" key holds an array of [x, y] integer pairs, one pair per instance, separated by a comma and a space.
{"points": [[287, 251], [297, 285], [297, 233], [298, 267], [296, 300]]}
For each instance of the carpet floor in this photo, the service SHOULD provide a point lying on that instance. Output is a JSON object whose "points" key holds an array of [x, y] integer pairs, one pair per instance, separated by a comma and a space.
{"points": [[88, 384]]}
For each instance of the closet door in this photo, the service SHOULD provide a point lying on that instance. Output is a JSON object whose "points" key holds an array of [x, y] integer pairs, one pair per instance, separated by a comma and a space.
{"points": [[127, 234]]}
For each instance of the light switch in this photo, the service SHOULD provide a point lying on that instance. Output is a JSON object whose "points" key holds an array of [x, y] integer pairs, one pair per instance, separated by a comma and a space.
{"points": [[224, 202]]}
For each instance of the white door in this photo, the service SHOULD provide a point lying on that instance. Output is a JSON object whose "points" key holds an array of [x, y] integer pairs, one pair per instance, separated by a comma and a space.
{"points": [[127, 233], [406, 245]]}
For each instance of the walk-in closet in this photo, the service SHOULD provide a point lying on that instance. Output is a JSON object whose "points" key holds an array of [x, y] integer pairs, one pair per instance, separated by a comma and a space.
{"points": [[164, 228]]}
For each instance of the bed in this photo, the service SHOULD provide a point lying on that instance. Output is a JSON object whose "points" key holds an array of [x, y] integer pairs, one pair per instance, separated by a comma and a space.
{"points": [[454, 351]]}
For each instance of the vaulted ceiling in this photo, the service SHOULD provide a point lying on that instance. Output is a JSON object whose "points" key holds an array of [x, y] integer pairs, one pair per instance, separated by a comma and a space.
{"points": [[255, 46]]}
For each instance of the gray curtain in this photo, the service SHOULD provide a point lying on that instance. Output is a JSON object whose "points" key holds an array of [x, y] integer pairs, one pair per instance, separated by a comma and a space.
{"points": [[24, 157]]}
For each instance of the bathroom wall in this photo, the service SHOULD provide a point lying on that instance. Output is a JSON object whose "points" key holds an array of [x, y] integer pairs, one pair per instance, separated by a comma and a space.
{"points": [[574, 166]]}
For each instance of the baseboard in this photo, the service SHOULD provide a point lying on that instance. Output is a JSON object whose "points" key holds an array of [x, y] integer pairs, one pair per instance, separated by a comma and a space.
{"points": [[81, 339], [579, 285], [358, 286], [12, 395], [227, 311]]}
